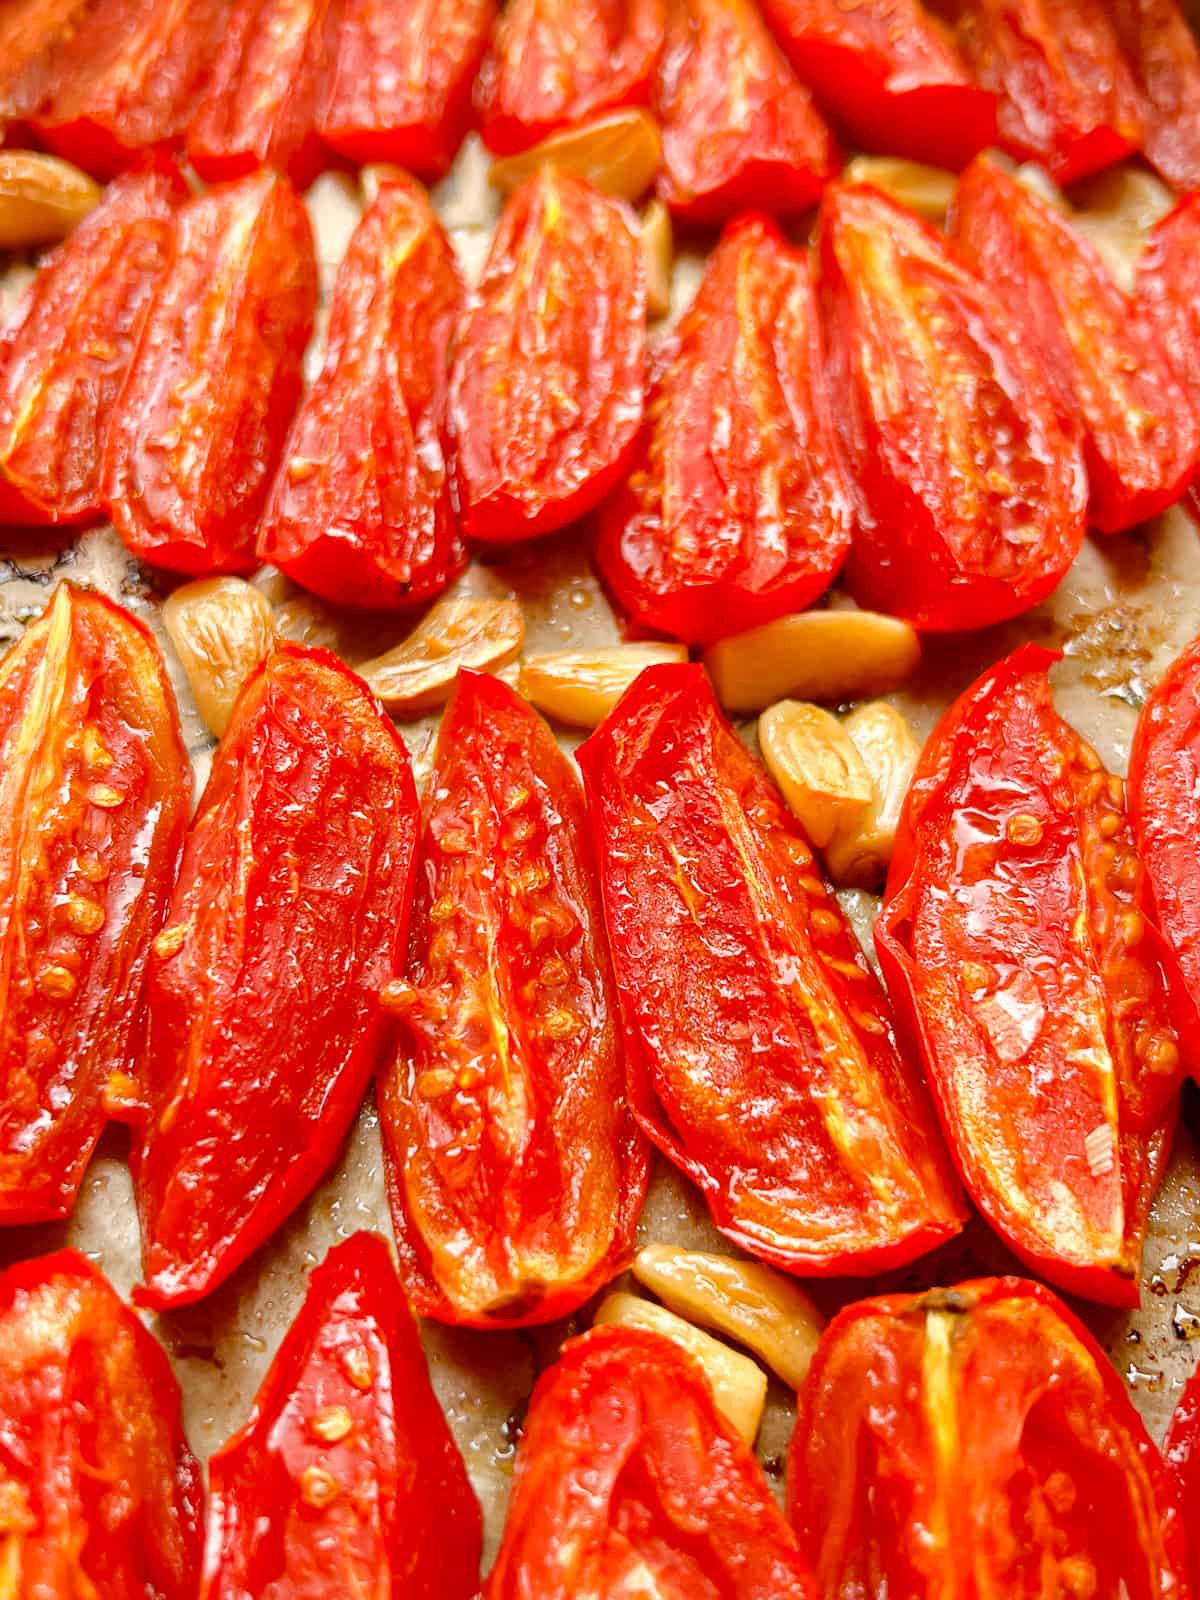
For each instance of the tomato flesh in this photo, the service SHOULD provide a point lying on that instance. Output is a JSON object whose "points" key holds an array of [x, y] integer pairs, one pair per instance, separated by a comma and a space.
{"points": [[1164, 56]]}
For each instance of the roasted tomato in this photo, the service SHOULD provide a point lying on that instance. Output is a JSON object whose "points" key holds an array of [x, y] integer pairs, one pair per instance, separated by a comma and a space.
{"points": [[516, 1170], [289, 917], [977, 1441], [401, 89], [739, 137], [345, 1478], [628, 1481], [735, 511], [268, 87], [129, 79], [361, 510], [1141, 435], [759, 1047], [1168, 297], [100, 1494], [95, 790], [889, 74], [201, 419], [32, 32], [1181, 1452], [66, 349], [1164, 55], [547, 386], [1015, 941], [968, 484]]}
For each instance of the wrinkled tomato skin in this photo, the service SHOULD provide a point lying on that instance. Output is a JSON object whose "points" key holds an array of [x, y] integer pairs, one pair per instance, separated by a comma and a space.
{"points": [[401, 86], [214, 381], [977, 1440], [65, 350], [300, 1501], [889, 75], [1167, 295], [1164, 56], [735, 510], [516, 1171], [628, 1476], [1181, 1455], [548, 378], [289, 916], [361, 510], [32, 32], [101, 1494], [760, 1053], [1017, 942], [1141, 435], [967, 480], [95, 790]]}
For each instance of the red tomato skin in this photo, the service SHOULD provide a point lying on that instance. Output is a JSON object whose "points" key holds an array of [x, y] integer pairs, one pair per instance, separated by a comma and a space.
{"points": [[733, 145], [967, 480], [742, 985], [565, 277], [1167, 294], [95, 791], [361, 510], [297, 879], [214, 381], [1010, 1008], [65, 350], [1164, 56], [556, 63], [102, 1494], [401, 86], [735, 510], [1103, 359], [402, 1519], [516, 1197], [977, 1440], [32, 32], [626, 1467], [889, 75], [1181, 1455]]}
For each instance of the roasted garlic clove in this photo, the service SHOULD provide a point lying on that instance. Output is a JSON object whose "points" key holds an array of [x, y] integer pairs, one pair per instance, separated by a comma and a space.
{"points": [[580, 687], [929, 191], [858, 855], [828, 656], [658, 252], [619, 153], [41, 198], [418, 674], [817, 767], [221, 629]]}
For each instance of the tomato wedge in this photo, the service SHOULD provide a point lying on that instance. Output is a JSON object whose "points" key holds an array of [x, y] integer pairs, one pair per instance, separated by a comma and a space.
{"points": [[968, 484], [1168, 298], [976, 1441], [289, 916], [735, 510], [628, 1481], [1164, 55], [515, 1169], [1181, 1453], [1017, 944], [345, 1477], [65, 351], [1141, 435], [759, 1047], [361, 510], [202, 416], [100, 1493], [547, 384], [32, 32]]}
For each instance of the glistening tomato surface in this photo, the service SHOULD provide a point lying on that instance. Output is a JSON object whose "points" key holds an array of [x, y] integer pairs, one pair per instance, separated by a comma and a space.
{"points": [[759, 1047], [515, 1168], [32, 32], [360, 511], [1168, 296], [345, 1479], [628, 1481], [100, 1493], [1181, 1453], [1164, 56], [735, 510], [289, 917], [549, 369], [1015, 940], [967, 483], [977, 1441]]}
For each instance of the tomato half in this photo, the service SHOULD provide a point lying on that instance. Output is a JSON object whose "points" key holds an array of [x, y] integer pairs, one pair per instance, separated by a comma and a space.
{"points": [[1016, 941], [967, 482], [549, 370], [1181, 1453], [345, 1478], [32, 32], [759, 1047], [1141, 435], [735, 510], [200, 421], [1164, 56], [99, 1493], [628, 1481], [1168, 297], [289, 916], [515, 1168], [977, 1441], [65, 350]]}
